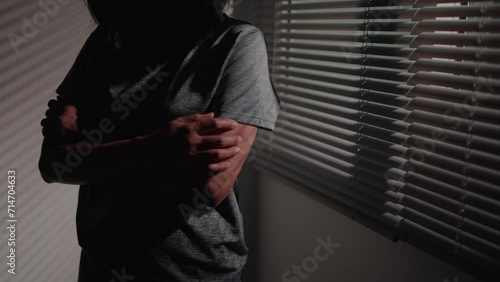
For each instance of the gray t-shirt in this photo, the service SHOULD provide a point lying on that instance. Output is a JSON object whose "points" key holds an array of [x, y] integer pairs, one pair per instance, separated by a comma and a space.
{"points": [[122, 225]]}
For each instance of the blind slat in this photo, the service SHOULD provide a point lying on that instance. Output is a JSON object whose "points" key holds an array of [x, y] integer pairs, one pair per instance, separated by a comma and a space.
{"points": [[454, 67], [462, 39], [465, 53], [455, 109], [353, 58], [413, 213], [456, 25], [350, 69], [455, 95], [476, 220]]}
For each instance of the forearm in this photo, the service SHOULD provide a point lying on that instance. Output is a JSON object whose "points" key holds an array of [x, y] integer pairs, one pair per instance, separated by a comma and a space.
{"points": [[82, 163], [185, 151], [219, 185]]}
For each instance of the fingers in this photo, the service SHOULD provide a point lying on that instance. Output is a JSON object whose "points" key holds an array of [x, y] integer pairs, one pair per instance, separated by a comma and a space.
{"points": [[60, 119], [55, 104], [55, 108], [198, 141], [219, 167], [215, 126], [52, 114], [51, 123], [196, 118], [50, 128], [217, 155], [206, 124], [214, 142]]}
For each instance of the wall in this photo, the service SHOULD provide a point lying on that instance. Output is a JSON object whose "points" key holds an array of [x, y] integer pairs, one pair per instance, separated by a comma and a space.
{"points": [[284, 224], [38, 43]]}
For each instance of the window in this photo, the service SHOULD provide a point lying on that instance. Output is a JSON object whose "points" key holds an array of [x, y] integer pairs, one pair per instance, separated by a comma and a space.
{"points": [[391, 108]]}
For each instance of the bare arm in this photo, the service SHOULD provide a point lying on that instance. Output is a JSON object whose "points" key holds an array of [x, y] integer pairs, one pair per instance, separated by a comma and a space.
{"points": [[81, 163], [184, 141], [220, 184]]}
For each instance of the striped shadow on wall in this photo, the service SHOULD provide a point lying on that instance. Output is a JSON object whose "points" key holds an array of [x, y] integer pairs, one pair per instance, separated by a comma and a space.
{"points": [[39, 41]]}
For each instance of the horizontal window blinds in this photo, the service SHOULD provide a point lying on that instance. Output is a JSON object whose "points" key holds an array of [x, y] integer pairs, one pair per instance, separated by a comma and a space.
{"points": [[392, 109]]}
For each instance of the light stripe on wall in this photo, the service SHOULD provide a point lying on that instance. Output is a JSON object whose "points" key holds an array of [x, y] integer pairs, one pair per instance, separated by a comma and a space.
{"points": [[39, 41]]}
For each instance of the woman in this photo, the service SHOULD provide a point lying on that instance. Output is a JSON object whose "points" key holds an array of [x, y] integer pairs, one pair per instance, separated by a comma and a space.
{"points": [[154, 122]]}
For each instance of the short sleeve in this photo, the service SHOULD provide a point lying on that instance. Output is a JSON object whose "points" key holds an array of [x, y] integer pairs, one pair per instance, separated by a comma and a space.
{"points": [[245, 92]]}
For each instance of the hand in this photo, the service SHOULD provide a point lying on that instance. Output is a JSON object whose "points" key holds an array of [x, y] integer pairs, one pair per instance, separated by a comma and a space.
{"points": [[189, 151], [197, 142], [60, 122]]}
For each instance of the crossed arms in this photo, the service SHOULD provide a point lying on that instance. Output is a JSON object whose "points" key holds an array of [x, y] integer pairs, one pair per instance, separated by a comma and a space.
{"points": [[193, 151]]}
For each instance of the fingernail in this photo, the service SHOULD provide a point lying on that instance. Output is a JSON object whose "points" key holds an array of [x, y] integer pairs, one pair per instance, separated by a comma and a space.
{"points": [[234, 123], [227, 165], [237, 150], [240, 139]]}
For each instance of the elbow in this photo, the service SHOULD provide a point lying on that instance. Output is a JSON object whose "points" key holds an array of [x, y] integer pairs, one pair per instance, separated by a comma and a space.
{"points": [[50, 169], [219, 196], [47, 179], [44, 163], [217, 201], [45, 170], [217, 193], [51, 165]]}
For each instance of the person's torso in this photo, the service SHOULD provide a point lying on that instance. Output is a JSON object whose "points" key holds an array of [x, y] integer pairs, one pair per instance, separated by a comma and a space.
{"points": [[123, 221]]}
